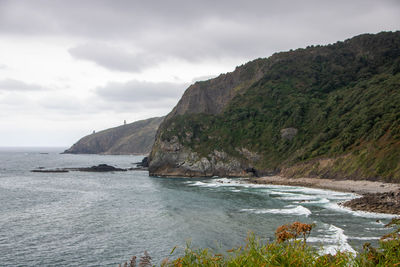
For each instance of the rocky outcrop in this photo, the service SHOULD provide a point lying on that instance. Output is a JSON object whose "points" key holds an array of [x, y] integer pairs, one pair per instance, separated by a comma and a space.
{"points": [[133, 138], [211, 96], [183, 162], [388, 202], [171, 158]]}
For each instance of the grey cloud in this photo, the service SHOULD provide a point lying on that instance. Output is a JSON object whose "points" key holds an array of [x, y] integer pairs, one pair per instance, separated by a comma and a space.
{"points": [[112, 57], [197, 30], [139, 92], [64, 103], [15, 85]]}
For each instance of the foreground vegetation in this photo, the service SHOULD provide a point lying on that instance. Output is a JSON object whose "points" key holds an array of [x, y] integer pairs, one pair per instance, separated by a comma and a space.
{"points": [[289, 249]]}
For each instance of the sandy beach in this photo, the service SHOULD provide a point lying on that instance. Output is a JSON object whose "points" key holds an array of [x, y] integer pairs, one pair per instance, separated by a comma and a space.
{"points": [[376, 196]]}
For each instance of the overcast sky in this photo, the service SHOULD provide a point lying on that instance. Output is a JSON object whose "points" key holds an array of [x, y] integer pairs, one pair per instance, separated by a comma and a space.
{"points": [[70, 67]]}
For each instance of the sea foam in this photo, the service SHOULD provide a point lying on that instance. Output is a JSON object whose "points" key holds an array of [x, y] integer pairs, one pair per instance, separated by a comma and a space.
{"points": [[365, 214], [297, 210], [336, 239]]}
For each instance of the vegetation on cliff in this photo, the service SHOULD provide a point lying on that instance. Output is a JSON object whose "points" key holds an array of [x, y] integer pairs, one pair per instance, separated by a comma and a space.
{"points": [[340, 101], [132, 138]]}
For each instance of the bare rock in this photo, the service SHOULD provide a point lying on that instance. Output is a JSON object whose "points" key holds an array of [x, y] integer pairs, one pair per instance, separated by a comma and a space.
{"points": [[288, 133]]}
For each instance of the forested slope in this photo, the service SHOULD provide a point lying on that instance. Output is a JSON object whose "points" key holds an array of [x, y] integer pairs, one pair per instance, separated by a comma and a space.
{"points": [[330, 111]]}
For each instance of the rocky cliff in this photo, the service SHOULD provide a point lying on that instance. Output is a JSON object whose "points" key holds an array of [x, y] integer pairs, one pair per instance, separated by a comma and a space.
{"points": [[292, 112], [133, 138]]}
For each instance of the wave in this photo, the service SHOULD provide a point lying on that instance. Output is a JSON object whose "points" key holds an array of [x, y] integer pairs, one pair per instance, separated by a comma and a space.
{"points": [[365, 214], [285, 190], [340, 239], [324, 192], [297, 210]]}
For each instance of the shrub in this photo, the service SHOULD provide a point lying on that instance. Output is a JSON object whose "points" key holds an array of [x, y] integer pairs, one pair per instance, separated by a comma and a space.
{"points": [[287, 250]]}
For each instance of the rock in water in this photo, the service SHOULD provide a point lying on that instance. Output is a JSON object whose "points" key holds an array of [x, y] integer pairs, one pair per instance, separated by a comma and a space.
{"points": [[101, 168], [98, 168]]}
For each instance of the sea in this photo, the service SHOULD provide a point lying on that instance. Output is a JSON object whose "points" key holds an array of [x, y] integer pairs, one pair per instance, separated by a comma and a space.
{"points": [[103, 219]]}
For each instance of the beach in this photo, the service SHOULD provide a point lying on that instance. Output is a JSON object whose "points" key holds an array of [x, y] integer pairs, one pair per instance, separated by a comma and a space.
{"points": [[374, 196]]}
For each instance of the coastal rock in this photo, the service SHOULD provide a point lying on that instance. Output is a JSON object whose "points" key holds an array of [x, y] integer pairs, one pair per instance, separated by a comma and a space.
{"points": [[50, 171], [141, 165], [186, 163], [144, 163], [101, 168], [388, 202]]}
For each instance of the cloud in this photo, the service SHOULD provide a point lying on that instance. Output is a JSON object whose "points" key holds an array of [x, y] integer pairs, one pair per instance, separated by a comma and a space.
{"points": [[15, 85], [195, 30], [113, 57], [2, 67], [63, 103], [150, 40], [139, 92]]}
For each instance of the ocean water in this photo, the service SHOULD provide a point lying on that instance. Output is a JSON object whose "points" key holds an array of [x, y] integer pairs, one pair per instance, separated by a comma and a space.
{"points": [[102, 219]]}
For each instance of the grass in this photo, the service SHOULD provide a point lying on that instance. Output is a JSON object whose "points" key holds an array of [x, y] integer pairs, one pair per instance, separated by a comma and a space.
{"points": [[289, 249]]}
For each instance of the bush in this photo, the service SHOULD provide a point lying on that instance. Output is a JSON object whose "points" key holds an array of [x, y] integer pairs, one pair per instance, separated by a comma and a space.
{"points": [[288, 250]]}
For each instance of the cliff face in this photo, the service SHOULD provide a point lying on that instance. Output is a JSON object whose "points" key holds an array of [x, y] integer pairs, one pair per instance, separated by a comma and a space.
{"points": [[171, 158], [133, 138], [290, 112]]}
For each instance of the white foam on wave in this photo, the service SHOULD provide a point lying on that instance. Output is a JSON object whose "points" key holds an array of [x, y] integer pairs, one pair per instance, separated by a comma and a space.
{"points": [[274, 189], [285, 190], [297, 210], [220, 182], [339, 239], [291, 193], [202, 184], [378, 222], [319, 192], [365, 214]]}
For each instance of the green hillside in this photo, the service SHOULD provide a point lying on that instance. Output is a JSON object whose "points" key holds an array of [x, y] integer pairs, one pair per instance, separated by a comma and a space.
{"points": [[343, 99], [132, 138]]}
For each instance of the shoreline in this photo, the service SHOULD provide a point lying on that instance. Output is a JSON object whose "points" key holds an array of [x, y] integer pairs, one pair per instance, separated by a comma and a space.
{"points": [[376, 197], [360, 187]]}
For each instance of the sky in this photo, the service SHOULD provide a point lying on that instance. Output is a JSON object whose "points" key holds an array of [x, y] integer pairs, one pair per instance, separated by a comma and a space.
{"points": [[68, 67]]}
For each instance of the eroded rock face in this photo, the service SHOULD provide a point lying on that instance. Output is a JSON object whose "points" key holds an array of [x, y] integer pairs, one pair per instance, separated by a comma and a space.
{"points": [[171, 158], [174, 160], [211, 96]]}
